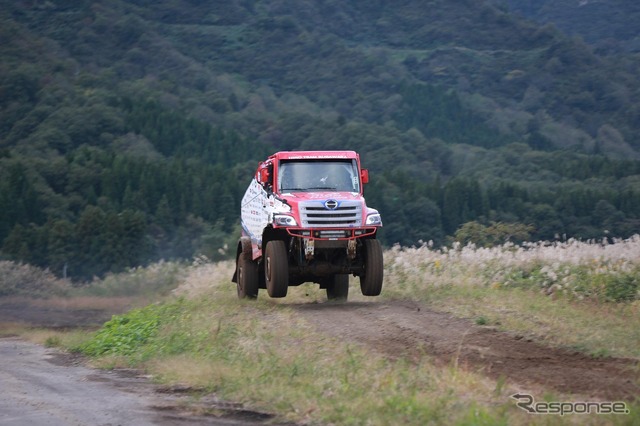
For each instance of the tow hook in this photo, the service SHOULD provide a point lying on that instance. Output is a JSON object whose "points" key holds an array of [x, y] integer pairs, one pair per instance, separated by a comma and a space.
{"points": [[309, 248], [351, 249]]}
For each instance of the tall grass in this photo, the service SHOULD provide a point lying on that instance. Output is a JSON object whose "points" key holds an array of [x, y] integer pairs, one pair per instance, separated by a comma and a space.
{"points": [[22, 280], [155, 280], [17, 279], [592, 270]]}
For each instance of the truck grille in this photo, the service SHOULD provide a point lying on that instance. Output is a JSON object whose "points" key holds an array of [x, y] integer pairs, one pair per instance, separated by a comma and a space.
{"points": [[314, 214]]}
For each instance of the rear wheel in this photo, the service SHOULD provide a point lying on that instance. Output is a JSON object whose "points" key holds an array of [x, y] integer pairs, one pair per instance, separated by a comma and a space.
{"points": [[338, 287], [371, 279], [276, 269], [247, 275]]}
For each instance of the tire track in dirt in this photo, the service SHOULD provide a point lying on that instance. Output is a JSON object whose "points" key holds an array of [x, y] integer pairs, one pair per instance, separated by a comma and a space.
{"points": [[408, 329]]}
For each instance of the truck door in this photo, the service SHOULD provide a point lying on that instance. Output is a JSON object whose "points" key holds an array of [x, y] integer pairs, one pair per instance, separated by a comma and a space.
{"points": [[256, 205]]}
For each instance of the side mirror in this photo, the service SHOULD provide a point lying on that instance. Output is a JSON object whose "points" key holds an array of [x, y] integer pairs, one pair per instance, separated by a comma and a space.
{"points": [[263, 176], [364, 176]]}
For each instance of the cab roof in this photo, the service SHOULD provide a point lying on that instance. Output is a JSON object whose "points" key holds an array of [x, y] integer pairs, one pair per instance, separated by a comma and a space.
{"points": [[313, 155]]}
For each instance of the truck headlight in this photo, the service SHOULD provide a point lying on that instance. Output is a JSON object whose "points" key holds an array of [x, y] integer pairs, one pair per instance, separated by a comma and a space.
{"points": [[374, 219], [284, 220]]}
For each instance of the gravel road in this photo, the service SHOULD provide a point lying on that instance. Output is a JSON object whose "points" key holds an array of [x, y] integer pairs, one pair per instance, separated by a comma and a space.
{"points": [[40, 386]]}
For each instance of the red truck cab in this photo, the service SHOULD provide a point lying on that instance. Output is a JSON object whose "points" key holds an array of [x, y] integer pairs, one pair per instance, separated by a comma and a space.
{"points": [[304, 219]]}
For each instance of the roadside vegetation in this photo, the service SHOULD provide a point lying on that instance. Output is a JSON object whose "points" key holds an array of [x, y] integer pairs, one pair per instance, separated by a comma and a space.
{"points": [[579, 295], [18, 279]]}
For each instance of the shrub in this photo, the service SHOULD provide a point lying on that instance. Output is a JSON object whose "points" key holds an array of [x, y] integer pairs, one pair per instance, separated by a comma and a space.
{"points": [[158, 278], [124, 334], [622, 287]]}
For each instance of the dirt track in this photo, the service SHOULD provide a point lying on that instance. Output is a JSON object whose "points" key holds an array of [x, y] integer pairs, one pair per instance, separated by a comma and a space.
{"points": [[402, 328], [47, 385]]}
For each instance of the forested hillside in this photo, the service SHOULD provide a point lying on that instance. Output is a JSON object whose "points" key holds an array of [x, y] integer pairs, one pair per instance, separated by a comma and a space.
{"points": [[608, 24], [130, 129]]}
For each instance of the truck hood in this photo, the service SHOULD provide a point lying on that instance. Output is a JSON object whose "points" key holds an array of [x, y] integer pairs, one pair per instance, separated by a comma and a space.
{"points": [[328, 195]]}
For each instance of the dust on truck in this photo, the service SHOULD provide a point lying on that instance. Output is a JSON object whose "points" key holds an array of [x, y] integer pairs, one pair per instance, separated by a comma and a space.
{"points": [[304, 219]]}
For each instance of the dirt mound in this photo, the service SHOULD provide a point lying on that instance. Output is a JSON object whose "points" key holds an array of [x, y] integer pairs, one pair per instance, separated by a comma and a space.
{"points": [[402, 328]]}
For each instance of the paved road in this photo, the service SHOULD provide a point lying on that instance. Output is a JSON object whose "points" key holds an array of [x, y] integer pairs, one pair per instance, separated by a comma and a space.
{"points": [[40, 386]]}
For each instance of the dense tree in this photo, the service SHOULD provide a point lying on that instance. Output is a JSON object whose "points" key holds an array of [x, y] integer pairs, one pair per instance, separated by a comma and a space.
{"points": [[129, 130], [496, 233]]}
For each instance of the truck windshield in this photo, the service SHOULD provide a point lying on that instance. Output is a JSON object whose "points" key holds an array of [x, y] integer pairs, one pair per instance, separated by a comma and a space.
{"points": [[309, 176]]}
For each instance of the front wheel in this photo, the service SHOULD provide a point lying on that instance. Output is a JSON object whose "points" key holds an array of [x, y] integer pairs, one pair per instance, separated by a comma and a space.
{"points": [[338, 287], [247, 273], [276, 269], [371, 279]]}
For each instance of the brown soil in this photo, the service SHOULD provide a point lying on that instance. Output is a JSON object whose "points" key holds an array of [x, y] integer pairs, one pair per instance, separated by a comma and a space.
{"points": [[53, 314], [408, 329]]}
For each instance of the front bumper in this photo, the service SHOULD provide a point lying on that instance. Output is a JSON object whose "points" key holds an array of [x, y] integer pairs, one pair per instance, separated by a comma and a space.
{"points": [[332, 234]]}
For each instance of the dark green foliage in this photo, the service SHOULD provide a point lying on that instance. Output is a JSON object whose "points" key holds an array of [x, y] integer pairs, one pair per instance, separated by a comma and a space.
{"points": [[438, 113], [462, 201], [20, 201], [596, 21], [172, 134], [132, 211], [129, 130], [493, 234]]}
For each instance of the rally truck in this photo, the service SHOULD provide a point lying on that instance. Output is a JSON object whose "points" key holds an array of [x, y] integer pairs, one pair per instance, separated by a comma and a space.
{"points": [[304, 219]]}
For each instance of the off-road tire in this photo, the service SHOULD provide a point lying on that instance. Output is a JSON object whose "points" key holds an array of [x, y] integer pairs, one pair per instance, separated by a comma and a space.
{"points": [[276, 269], [247, 276], [338, 287], [371, 279]]}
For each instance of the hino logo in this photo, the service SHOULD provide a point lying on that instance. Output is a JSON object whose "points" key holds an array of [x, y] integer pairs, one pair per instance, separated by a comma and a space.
{"points": [[331, 204]]}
